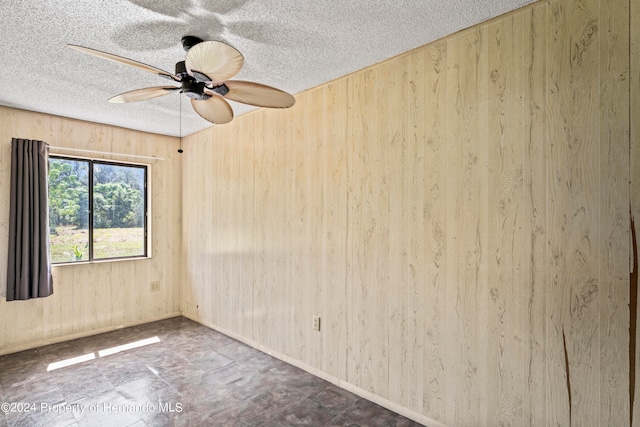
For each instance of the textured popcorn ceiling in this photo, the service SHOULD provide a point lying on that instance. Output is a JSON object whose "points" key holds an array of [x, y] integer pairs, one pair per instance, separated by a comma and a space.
{"points": [[292, 45]]}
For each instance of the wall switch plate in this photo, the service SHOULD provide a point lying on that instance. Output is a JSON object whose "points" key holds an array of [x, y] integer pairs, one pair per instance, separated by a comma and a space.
{"points": [[316, 323], [155, 286]]}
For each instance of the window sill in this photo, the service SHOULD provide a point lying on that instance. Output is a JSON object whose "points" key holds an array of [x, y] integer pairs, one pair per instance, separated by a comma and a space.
{"points": [[100, 261]]}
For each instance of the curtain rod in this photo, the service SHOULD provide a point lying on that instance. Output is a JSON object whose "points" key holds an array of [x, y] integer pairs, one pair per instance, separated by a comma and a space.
{"points": [[105, 152]]}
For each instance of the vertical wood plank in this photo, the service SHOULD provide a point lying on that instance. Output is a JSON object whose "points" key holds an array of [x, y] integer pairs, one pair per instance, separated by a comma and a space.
{"points": [[574, 160], [121, 293], [430, 126], [217, 304], [286, 157], [362, 227], [8, 124], [245, 233], [535, 208], [453, 158], [334, 230], [467, 126], [354, 128], [298, 226], [271, 191], [506, 215], [312, 287], [398, 143], [614, 212], [193, 267], [57, 314], [301, 225], [416, 240], [634, 124], [262, 189], [369, 224], [376, 315], [356, 122], [227, 248]]}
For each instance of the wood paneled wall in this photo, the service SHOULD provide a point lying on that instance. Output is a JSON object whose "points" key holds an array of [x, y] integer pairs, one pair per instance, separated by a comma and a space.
{"points": [[458, 216], [95, 298]]}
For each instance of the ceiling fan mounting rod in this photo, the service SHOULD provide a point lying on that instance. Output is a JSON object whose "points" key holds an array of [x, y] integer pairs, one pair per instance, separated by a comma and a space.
{"points": [[190, 41], [181, 70]]}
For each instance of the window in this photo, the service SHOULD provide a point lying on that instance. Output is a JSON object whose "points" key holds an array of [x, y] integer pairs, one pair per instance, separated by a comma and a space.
{"points": [[97, 210]]}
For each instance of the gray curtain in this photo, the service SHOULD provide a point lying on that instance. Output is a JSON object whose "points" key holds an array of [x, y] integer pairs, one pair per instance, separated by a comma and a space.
{"points": [[29, 269]]}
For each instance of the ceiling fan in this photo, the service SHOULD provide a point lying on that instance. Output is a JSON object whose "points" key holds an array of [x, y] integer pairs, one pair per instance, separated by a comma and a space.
{"points": [[204, 77]]}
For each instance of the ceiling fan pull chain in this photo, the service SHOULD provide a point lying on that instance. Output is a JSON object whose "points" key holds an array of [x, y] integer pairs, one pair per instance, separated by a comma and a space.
{"points": [[180, 131]]}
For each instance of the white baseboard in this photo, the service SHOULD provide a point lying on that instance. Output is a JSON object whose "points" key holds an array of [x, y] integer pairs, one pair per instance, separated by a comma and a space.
{"points": [[56, 340], [412, 415]]}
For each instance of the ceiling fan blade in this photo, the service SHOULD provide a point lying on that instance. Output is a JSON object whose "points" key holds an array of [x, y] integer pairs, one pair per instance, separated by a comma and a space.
{"points": [[142, 94], [213, 61], [258, 94], [126, 61], [215, 109]]}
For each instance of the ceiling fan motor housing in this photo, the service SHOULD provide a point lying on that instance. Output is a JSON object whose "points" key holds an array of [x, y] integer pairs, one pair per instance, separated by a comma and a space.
{"points": [[189, 85], [194, 89]]}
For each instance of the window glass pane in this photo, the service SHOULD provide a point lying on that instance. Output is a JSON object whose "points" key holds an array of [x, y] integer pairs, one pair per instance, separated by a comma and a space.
{"points": [[118, 211], [69, 210]]}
